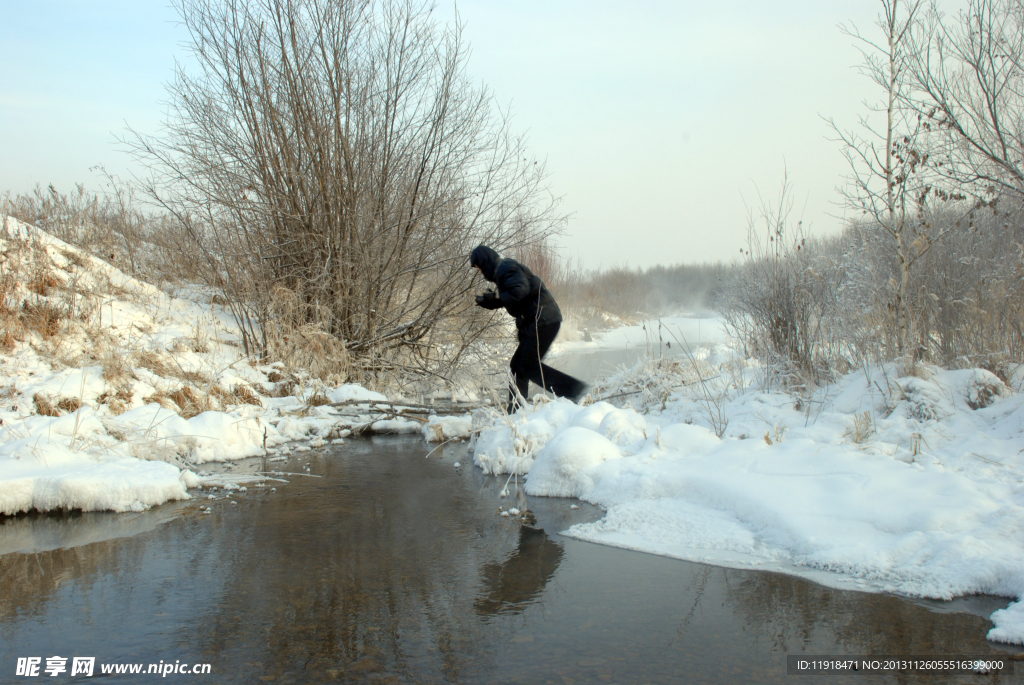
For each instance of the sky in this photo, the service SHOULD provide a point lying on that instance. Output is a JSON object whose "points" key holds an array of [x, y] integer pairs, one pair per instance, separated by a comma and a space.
{"points": [[662, 125]]}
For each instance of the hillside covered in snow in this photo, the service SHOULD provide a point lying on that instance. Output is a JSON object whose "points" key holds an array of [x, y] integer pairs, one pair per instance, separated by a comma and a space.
{"points": [[115, 394]]}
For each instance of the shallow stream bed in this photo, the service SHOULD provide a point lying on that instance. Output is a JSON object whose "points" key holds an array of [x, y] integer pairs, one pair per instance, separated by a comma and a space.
{"points": [[382, 566]]}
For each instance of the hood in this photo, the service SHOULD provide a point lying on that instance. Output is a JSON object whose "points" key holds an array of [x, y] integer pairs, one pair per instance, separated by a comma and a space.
{"points": [[487, 259]]}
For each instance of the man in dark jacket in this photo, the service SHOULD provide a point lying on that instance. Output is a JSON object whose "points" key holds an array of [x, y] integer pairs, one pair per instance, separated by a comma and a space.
{"points": [[538, 319]]}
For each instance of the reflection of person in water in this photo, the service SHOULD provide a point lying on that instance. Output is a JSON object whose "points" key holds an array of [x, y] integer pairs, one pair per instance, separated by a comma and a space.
{"points": [[511, 585]]}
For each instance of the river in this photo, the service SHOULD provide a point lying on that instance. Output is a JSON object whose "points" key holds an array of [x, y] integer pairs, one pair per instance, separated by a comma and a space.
{"points": [[384, 566]]}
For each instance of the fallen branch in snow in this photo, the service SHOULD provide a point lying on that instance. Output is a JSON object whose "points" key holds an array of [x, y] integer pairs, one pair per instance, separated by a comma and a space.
{"points": [[400, 408]]}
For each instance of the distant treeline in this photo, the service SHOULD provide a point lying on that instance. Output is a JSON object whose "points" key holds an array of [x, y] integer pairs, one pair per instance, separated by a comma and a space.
{"points": [[657, 290]]}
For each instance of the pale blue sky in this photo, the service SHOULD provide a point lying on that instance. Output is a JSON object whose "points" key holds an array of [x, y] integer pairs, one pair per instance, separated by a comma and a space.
{"points": [[657, 119]]}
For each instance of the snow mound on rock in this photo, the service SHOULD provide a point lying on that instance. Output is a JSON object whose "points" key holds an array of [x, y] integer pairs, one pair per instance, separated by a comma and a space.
{"points": [[562, 468]]}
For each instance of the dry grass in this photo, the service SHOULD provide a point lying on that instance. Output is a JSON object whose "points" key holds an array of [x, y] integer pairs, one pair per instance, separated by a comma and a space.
{"points": [[117, 365], [298, 339], [74, 258], [164, 366], [239, 394], [163, 400], [199, 341], [43, 318], [172, 369], [155, 362], [110, 228], [190, 401], [186, 401], [318, 399], [117, 400], [69, 404], [45, 406], [244, 394], [862, 428], [43, 282], [34, 300], [286, 388], [194, 377]]}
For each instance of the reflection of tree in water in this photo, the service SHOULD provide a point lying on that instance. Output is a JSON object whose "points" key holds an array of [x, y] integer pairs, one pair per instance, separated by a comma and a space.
{"points": [[514, 583], [797, 616], [30, 580], [368, 574]]}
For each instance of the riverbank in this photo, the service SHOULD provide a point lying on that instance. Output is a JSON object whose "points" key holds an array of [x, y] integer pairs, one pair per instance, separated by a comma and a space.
{"points": [[889, 480]]}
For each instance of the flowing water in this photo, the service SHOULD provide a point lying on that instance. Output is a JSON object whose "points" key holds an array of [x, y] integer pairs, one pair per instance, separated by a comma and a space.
{"points": [[383, 566]]}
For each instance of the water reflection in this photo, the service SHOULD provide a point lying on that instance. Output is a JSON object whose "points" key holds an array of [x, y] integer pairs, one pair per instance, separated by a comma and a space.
{"points": [[516, 582], [795, 616], [395, 568]]}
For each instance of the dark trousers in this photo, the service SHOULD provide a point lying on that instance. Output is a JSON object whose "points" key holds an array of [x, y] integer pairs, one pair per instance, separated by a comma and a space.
{"points": [[526, 366]]}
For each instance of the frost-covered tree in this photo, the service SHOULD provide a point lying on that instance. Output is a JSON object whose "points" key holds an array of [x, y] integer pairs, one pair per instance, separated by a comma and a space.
{"points": [[889, 183]]}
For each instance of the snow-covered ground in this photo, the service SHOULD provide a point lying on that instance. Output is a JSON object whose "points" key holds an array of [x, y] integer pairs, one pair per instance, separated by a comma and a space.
{"points": [[113, 393], [889, 480]]}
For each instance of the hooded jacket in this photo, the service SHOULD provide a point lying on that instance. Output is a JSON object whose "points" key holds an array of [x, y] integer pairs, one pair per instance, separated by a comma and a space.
{"points": [[521, 292]]}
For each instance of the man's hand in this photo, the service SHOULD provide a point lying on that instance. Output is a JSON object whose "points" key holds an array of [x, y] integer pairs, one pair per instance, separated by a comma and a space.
{"points": [[489, 300]]}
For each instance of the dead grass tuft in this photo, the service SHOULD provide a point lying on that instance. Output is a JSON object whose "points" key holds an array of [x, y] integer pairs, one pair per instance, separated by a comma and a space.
{"points": [[318, 399], [862, 428], [69, 404], [286, 388], [244, 394], [163, 400], [302, 345], [190, 401], [117, 400], [44, 407], [117, 365], [43, 282], [74, 258], [43, 318], [199, 346], [193, 377], [240, 394], [275, 377], [7, 341], [155, 362]]}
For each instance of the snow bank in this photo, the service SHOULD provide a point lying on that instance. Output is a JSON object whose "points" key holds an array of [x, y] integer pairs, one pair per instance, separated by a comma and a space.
{"points": [[441, 428], [113, 407], [564, 467], [911, 484], [58, 478]]}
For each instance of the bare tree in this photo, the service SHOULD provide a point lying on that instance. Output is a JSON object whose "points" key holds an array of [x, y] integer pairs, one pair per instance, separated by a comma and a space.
{"points": [[889, 184], [337, 152], [968, 79]]}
